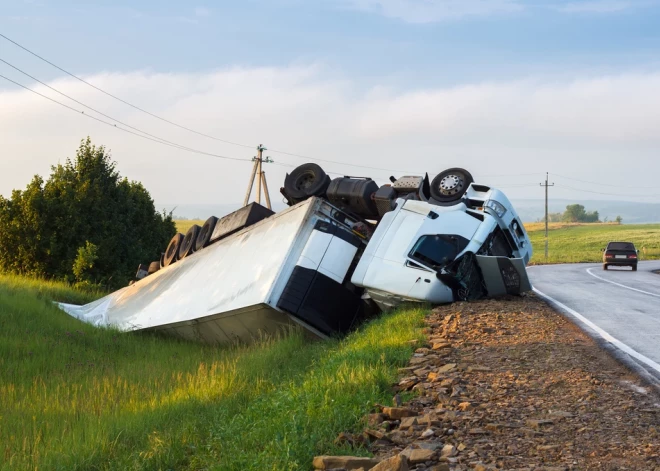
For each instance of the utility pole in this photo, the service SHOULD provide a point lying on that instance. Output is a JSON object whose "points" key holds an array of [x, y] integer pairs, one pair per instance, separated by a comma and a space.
{"points": [[260, 175], [546, 185]]}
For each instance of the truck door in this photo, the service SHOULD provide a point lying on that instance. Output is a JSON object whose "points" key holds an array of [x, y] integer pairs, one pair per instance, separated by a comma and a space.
{"points": [[319, 291]]}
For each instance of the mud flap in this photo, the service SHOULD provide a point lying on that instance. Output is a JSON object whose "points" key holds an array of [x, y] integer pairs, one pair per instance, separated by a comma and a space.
{"points": [[504, 275]]}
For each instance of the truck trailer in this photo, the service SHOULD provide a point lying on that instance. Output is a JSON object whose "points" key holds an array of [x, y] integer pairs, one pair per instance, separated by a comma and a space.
{"points": [[343, 251]]}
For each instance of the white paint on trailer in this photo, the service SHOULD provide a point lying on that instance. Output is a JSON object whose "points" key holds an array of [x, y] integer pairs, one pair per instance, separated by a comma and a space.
{"points": [[235, 282], [337, 259]]}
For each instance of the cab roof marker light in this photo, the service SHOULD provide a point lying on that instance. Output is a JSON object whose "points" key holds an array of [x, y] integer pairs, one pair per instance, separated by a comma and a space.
{"points": [[498, 208]]}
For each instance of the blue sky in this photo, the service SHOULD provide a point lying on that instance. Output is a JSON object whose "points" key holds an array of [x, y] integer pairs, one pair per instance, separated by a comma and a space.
{"points": [[502, 87], [363, 39]]}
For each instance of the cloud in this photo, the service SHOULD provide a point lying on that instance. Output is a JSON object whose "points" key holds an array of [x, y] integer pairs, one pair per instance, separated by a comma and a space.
{"points": [[599, 6], [429, 11], [572, 127], [202, 12], [432, 11]]}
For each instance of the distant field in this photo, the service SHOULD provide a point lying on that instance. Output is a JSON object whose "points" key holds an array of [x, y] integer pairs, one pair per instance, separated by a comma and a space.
{"points": [[572, 243], [182, 225], [76, 397]]}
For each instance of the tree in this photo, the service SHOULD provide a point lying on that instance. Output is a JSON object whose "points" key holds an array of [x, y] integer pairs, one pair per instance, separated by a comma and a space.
{"points": [[619, 219], [85, 215], [577, 213]]}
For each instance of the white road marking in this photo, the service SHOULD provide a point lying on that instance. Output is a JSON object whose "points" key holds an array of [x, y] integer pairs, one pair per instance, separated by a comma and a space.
{"points": [[607, 337], [622, 286]]}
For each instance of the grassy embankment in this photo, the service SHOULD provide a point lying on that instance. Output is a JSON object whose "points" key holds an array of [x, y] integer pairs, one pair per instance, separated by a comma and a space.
{"points": [[75, 397], [572, 243]]}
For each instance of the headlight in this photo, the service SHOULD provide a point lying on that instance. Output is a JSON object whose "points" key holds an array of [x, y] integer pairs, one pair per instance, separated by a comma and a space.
{"points": [[499, 209]]}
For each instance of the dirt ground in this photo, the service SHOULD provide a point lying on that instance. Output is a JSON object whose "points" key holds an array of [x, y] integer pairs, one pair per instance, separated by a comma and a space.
{"points": [[511, 384]]}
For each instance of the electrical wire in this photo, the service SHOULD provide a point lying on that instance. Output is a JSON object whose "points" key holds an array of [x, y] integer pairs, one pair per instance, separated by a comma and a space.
{"points": [[89, 107], [124, 101], [176, 146]]}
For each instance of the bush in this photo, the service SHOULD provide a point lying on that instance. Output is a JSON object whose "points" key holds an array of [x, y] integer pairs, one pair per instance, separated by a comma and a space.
{"points": [[85, 222]]}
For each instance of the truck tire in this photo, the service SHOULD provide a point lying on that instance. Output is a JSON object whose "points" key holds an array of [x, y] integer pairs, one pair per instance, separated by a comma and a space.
{"points": [[172, 252], [450, 186], [162, 259], [205, 233], [153, 268], [189, 241], [305, 181]]}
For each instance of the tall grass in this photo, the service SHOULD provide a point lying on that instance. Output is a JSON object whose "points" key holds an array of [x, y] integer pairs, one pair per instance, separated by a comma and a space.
{"points": [[75, 397], [583, 243]]}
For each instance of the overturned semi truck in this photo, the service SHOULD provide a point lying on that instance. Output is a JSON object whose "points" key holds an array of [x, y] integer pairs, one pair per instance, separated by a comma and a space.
{"points": [[344, 250]]}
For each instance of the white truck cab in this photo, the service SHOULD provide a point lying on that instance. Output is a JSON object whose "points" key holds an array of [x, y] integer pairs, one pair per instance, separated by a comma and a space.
{"points": [[423, 251]]}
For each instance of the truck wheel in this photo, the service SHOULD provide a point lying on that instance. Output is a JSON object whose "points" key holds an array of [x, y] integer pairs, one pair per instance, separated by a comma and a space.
{"points": [[153, 268], [305, 181], [450, 186], [172, 252], [205, 233], [189, 241], [162, 259]]}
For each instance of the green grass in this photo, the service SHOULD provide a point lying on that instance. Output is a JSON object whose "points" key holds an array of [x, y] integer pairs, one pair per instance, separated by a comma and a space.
{"points": [[76, 397], [583, 243], [182, 225]]}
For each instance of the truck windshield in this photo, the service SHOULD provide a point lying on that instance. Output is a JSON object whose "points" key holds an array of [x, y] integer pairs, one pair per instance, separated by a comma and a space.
{"points": [[436, 251]]}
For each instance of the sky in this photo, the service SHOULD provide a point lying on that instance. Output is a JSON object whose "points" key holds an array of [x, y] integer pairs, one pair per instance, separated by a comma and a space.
{"points": [[508, 89]]}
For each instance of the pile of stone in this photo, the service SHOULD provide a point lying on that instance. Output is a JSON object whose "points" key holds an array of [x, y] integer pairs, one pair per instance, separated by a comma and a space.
{"points": [[509, 384]]}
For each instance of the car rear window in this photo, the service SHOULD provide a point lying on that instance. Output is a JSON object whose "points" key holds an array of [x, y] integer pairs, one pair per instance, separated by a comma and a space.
{"points": [[620, 246]]}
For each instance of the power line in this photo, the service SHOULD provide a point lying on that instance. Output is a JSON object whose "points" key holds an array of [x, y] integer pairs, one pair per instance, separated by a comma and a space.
{"points": [[89, 107], [176, 146], [124, 101]]}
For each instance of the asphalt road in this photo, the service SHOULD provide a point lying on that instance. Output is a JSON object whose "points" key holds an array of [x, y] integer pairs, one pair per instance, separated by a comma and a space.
{"points": [[619, 307]]}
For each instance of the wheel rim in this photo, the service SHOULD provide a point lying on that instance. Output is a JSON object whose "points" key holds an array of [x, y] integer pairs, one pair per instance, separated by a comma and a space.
{"points": [[304, 181], [451, 184]]}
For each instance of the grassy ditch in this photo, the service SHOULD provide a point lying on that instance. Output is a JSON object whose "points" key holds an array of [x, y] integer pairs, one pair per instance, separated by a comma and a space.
{"points": [[75, 397], [583, 243]]}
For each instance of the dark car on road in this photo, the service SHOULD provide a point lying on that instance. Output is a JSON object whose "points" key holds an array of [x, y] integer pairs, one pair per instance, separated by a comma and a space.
{"points": [[620, 254]]}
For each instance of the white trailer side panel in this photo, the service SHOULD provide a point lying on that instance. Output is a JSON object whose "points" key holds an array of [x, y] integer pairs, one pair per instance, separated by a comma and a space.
{"points": [[226, 286]]}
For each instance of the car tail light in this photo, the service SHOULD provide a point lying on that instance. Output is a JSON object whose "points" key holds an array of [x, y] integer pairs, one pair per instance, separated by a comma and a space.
{"points": [[632, 256], [609, 255]]}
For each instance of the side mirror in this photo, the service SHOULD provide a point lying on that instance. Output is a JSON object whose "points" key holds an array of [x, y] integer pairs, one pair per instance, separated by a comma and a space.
{"points": [[637, 250], [602, 250]]}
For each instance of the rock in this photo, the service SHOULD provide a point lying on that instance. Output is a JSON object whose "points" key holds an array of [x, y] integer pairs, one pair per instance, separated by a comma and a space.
{"points": [[428, 433], [463, 406], [395, 463], [374, 420], [440, 345], [408, 422], [429, 445], [446, 368], [478, 431], [477, 368], [448, 450], [374, 434], [397, 413], [538, 423], [417, 455], [343, 462], [407, 383], [439, 467]]}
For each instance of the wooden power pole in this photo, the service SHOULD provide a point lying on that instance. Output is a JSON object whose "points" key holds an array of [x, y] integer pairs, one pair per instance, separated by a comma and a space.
{"points": [[546, 185], [260, 176]]}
